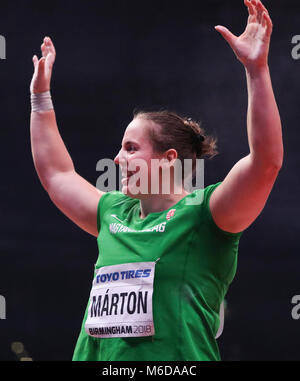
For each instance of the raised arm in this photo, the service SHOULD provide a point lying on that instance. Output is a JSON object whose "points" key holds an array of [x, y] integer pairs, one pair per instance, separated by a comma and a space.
{"points": [[241, 197], [73, 195]]}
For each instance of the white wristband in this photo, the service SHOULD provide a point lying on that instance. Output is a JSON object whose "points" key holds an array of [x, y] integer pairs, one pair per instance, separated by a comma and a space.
{"points": [[41, 101]]}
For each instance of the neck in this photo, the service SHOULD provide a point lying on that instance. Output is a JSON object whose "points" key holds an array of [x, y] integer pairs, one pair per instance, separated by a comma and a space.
{"points": [[159, 202]]}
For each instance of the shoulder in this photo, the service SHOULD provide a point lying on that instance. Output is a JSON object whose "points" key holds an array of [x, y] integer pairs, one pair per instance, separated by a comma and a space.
{"points": [[209, 190], [204, 195], [113, 197], [114, 200]]}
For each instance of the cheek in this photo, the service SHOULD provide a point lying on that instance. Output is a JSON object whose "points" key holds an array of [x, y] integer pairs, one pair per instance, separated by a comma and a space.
{"points": [[140, 161], [154, 170]]}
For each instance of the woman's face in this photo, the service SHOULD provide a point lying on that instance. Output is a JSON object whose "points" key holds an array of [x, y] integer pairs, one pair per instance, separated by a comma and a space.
{"points": [[135, 157]]}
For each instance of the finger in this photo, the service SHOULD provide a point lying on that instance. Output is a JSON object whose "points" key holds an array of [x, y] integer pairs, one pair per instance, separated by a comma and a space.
{"points": [[227, 35], [259, 13], [49, 62], [264, 8], [51, 53], [261, 9], [264, 22], [49, 44], [250, 7], [269, 24], [251, 10], [44, 49]]}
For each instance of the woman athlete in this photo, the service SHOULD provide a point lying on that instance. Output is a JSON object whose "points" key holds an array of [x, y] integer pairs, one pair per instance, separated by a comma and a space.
{"points": [[165, 260]]}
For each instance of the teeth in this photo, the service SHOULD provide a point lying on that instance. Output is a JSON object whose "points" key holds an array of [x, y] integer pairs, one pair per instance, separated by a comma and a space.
{"points": [[126, 177], [126, 173]]}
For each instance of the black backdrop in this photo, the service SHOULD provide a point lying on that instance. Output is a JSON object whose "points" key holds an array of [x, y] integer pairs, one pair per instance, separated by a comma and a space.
{"points": [[113, 56]]}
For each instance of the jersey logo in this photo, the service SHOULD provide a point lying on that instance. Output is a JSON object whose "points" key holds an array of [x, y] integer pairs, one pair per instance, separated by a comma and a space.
{"points": [[113, 215], [170, 214]]}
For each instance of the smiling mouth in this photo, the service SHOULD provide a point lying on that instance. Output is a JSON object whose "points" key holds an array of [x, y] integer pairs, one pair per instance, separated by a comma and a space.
{"points": [[126, 177]]}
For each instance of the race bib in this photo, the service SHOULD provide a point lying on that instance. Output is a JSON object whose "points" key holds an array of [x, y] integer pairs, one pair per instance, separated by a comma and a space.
{"points": [[121, 301]]}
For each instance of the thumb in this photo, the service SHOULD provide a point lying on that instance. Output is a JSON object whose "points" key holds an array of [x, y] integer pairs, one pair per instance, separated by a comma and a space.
{"points": [[34, 60], [39, 66], [228, 36], [41, 62]]}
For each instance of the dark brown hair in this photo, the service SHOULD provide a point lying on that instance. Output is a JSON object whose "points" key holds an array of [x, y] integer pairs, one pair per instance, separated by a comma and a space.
{"points": [[183, 134]]}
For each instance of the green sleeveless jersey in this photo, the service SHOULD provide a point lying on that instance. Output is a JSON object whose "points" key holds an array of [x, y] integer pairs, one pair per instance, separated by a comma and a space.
{"points": [[195, 262]]}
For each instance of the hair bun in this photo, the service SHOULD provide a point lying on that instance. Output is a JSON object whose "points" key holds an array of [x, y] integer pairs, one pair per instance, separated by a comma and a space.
{"points": [[200, 137]]}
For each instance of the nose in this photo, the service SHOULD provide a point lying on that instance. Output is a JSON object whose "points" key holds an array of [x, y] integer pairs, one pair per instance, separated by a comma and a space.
{"points": [[116, 159], [120, 159]]}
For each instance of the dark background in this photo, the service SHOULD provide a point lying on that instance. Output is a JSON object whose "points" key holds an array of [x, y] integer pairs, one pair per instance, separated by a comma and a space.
{"points": [[113, 56]]}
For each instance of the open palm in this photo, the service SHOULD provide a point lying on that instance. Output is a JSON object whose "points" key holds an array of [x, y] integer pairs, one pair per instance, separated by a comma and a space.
{"points": [[43, 67], [252, 47]]}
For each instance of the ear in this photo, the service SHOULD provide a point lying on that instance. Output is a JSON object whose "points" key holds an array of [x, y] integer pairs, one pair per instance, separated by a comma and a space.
{"points": [[171, 155]]}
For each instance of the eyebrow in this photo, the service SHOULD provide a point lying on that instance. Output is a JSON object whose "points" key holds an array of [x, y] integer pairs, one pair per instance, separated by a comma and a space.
{"points": [[130, 142]]}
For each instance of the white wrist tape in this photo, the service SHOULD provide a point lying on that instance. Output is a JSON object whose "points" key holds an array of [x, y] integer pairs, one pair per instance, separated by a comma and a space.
{"points": [[41, 101]]}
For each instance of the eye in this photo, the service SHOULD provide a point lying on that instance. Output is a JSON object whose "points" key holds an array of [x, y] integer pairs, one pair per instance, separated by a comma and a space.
{"points": [[130, 148]]}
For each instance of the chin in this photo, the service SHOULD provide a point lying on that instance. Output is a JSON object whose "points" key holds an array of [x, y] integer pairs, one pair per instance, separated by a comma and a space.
{"points": [[139, 196], [127, 192]]}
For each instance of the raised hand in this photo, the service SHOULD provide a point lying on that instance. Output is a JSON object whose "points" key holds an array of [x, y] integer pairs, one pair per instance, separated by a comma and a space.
{"points": [[252, 47], [43, 67]]}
